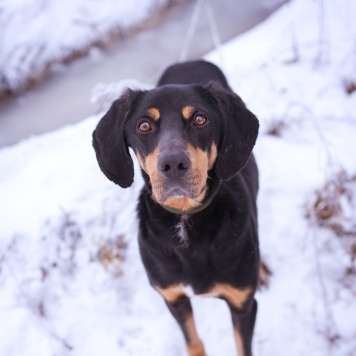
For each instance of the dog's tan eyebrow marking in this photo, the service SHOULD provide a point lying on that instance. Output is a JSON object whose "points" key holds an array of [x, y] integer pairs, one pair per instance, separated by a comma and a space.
{"points": [[153, 113], [188, 111]]}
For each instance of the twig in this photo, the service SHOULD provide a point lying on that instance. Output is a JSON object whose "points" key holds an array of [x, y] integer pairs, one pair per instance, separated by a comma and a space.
{"points": [[332, 334], [36, 309], [323, 55], [295, 46]]}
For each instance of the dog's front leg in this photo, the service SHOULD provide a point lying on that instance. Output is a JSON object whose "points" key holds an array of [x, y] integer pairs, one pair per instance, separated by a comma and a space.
{"points": [[182, 311], [244, 322], [180, 307]]}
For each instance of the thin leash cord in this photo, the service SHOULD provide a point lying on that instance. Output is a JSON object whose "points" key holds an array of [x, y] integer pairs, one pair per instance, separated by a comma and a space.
{"points": [[214, 31], [192, 28]]}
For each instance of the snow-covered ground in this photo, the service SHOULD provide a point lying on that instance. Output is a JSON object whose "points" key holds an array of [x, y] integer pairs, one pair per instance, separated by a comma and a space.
{"points": [[36, 34], [70, 274]]}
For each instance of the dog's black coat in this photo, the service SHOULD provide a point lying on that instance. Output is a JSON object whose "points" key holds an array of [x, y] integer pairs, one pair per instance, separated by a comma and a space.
{"points": [[215, 246]]}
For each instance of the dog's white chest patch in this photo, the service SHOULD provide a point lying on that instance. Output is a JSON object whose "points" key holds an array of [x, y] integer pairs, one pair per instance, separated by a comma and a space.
{"points": [[182, 233]]}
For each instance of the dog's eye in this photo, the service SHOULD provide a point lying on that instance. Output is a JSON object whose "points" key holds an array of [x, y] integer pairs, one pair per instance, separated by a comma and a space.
{"points": [[144, 126], [199, 120]]}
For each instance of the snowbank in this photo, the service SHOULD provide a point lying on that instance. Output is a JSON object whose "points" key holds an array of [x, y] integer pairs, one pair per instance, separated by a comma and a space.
{"points": [[71, 277], [36, 34]]}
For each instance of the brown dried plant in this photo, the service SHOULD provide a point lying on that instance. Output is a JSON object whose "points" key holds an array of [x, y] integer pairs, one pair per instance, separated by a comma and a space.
{"points": [[333, 207]]}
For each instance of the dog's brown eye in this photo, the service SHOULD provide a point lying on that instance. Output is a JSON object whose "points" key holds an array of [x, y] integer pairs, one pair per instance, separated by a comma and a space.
{"points": [[144, 126], [199, 120]]}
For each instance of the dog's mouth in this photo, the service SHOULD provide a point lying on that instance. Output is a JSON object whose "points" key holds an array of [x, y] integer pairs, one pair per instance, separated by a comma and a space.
{"points": [[176, 191], [182, 199]]}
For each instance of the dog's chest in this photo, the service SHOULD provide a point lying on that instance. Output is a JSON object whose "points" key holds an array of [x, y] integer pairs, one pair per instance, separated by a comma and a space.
{"points": [[197, 258]]}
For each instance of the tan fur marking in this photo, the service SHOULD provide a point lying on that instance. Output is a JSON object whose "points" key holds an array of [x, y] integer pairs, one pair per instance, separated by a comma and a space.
{"points": [[172, 293], [187, 112], [152, 162], [153, 113], [196, 180], [212, 156], [151, 165], [182, 203], [201, 163], [195, 346], [198, 174], [236, 297], [141, 161], [239, 343]]}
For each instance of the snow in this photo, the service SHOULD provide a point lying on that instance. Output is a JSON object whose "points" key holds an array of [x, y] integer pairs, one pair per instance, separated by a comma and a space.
{"points": [[63, 292], [35, 33]]}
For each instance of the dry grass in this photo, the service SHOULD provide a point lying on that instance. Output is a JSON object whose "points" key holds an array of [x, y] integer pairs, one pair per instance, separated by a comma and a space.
{"points": [[333, 207], [350, 86], [111, 255], [276, 128], [264, 276]]}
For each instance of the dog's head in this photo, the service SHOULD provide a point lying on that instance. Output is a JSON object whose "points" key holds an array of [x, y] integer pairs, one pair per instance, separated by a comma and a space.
{"points": [[182, 135]]}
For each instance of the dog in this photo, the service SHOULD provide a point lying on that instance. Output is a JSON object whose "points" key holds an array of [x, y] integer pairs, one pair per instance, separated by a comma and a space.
{"points": [[193, 138]]}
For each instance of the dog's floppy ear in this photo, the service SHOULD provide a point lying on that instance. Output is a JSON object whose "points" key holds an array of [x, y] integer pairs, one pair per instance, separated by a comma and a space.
{"points": [[239, 135], [110, 144]]}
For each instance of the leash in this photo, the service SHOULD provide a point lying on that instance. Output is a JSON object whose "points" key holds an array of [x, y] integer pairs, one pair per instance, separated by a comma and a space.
{"points": [[193, 25], [191, 30]]}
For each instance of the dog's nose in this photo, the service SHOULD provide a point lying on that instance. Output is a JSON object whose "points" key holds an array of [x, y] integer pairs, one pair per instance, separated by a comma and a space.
{"points": [[174, 164]]}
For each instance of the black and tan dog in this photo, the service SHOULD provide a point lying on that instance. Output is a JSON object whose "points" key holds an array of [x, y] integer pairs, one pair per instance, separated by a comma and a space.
{"points": [[193, 138]]}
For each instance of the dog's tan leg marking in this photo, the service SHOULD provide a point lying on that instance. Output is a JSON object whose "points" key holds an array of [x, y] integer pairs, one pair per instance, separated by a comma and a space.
{"points": [[235, 298], [194, 344], [239, 343], [154, 114], [187, 112], [172, 293]]}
